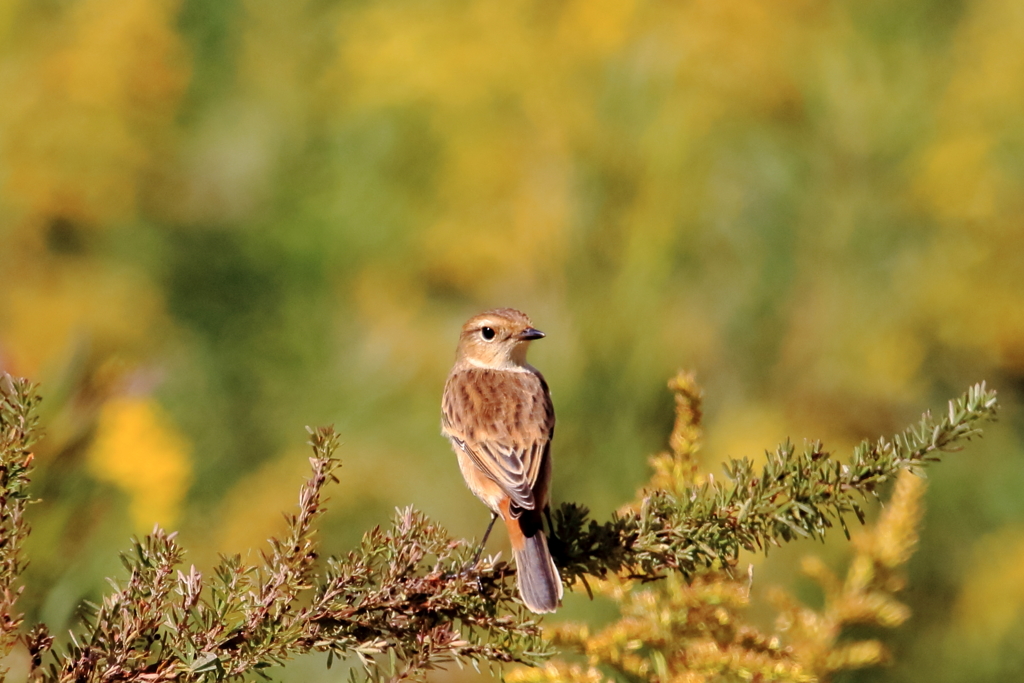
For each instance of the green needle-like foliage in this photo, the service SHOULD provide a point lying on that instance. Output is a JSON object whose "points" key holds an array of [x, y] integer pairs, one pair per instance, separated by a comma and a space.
{"points": [[409, 599], [792, 496], [17, 434]]}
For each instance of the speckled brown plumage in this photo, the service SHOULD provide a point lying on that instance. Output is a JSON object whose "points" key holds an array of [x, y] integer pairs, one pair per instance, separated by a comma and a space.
{"points": [[497, 413], [504, 422]]}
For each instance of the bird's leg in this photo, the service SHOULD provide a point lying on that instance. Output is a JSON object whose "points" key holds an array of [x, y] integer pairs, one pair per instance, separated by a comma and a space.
{"points": [[494, 516]]}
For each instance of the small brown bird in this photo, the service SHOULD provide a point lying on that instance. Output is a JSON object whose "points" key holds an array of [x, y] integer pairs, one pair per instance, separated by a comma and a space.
{"points": [[498, 415]]}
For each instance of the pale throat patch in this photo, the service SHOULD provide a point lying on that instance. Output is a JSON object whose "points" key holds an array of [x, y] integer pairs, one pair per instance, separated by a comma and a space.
{"points": [[511, 366]]}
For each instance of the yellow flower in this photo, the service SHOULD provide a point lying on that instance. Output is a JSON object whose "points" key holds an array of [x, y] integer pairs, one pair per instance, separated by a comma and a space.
{"points": [[139, 450]]}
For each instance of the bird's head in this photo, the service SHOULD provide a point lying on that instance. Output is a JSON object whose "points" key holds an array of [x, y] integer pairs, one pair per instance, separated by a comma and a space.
{"points": [[497, 339]]}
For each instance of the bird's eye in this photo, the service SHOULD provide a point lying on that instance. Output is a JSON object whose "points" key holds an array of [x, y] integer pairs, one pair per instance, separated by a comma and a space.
{"points": [[487, 333]]}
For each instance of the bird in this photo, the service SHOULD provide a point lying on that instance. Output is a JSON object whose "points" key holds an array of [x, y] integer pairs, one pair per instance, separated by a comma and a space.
{"points": [[497, 413]]}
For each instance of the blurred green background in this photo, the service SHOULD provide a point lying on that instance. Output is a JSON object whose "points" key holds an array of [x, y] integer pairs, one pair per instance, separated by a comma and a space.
{"points": [[222, 221]]}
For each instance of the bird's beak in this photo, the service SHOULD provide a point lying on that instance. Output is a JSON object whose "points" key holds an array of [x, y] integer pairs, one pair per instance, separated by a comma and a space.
{"points": [[529, 334]]}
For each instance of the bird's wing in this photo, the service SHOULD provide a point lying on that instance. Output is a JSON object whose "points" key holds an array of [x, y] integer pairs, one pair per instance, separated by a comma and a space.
{"points": [[503, 421]]}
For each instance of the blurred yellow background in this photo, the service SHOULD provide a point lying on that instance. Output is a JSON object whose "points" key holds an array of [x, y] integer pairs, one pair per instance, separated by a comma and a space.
{"points": [[220, 222]]}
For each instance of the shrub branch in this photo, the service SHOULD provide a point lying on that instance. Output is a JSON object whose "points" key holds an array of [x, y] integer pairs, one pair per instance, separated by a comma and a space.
{"points": [[18, 431], [408, 600], [792, 496]]}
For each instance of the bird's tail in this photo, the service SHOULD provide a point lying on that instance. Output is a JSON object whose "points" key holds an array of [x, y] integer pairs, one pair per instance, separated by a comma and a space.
{"points": [[540, 585]]}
